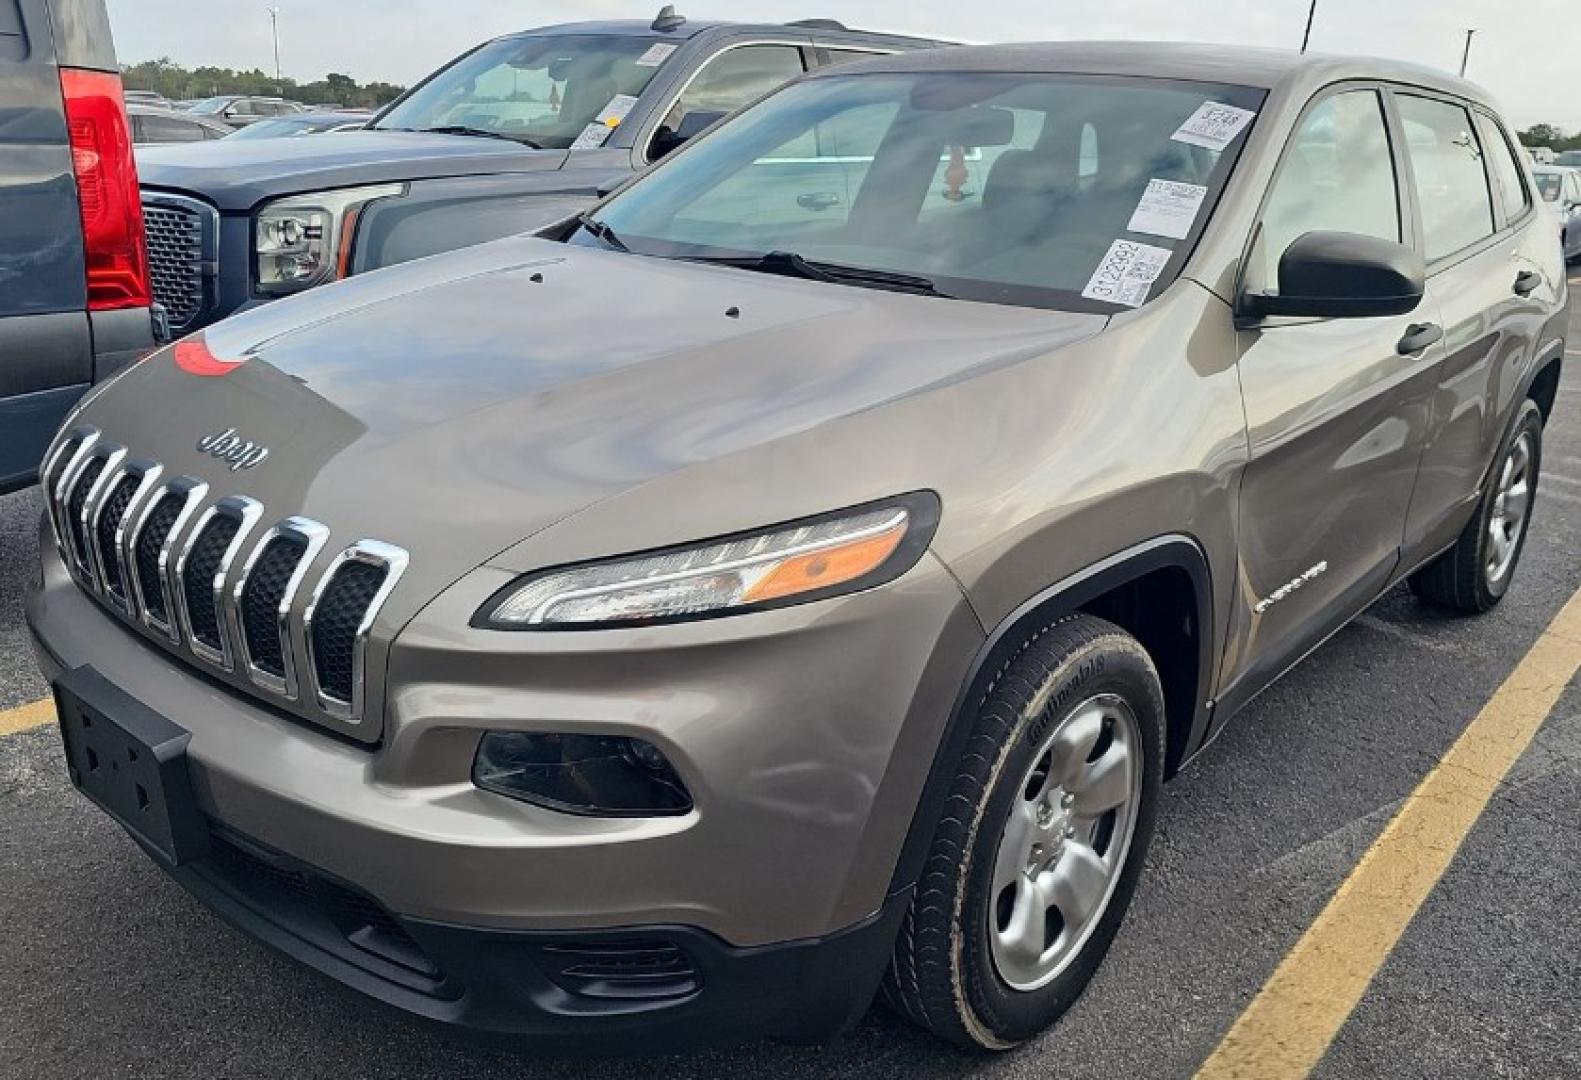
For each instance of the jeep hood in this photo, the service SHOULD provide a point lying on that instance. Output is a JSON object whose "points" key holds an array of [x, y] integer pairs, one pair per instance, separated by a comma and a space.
{"points": [[460, 404], [238, 174]]}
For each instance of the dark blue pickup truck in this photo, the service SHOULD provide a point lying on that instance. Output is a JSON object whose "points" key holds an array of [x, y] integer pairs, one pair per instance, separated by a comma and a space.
{"points": [[74, 287], [521, 132]]}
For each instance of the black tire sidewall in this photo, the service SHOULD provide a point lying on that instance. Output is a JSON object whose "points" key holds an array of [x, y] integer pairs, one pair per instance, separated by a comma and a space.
{"points": [[1111, 664]]}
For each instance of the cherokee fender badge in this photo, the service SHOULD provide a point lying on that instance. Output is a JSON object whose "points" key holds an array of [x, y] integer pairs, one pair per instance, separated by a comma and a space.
{"points": [[1290, 586]]}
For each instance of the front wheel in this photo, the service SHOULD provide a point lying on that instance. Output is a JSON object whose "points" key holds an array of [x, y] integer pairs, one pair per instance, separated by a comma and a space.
{"points": [[1474, 575], [1043, 837]]}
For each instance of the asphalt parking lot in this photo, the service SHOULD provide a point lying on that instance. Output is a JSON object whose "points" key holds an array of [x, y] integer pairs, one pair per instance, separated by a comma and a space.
{"points": [[109, 969]]}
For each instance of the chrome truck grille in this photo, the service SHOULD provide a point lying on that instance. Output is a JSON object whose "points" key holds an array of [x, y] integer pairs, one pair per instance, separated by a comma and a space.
{"points": [[183, 237], [213, 582]]}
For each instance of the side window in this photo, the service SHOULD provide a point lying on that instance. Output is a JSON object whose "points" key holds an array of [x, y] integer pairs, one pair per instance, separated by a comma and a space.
{"points": [[168, 129], [1337, 174], [13, 40], [1513, 196], [735, 77], [809, 182], [244, 108], [1451, 183]]}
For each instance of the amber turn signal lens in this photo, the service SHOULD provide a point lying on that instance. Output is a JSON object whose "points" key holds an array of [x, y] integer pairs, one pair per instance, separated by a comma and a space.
{"points": [[831, 566]]}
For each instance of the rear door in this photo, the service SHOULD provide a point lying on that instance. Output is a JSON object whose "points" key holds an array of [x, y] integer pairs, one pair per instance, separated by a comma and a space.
{"points": [[1481, 238], [46, 353], [1336, 409]]}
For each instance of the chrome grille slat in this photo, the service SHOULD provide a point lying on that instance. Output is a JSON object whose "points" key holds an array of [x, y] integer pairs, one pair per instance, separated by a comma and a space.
{"points": [[266, 606], [335, 625], [200, 575], [150, 547], [137, 542], [84, 492]]}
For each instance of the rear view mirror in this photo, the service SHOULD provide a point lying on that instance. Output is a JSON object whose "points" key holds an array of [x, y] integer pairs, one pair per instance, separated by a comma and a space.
{"points": [[692, 125], [1343, 275], [980, 125]]}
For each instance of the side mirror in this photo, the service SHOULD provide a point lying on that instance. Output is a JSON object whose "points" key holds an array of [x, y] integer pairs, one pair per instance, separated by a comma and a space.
{"points": [[1343, 275], [693, 124]]}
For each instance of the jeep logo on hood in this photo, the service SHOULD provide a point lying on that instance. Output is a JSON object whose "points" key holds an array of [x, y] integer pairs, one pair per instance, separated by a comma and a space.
{"points": [[229, 446]]}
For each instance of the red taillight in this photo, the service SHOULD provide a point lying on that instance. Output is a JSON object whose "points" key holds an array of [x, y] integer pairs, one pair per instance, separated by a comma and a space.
{"points": [[112, 212]]}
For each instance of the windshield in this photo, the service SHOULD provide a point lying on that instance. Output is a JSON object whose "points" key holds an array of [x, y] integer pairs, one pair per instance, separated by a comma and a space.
{"points": [[210, 106], [1043, 190], [544, 90], [1568, 157], [1548, 185]]}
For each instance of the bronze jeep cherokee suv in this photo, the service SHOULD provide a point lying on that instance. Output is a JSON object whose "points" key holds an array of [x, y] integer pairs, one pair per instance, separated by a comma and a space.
{"points": [[800, 573]]}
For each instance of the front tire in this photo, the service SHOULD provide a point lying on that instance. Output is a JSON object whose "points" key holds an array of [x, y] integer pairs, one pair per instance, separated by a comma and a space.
{"points": [[1475, 574], [1042, 839]]}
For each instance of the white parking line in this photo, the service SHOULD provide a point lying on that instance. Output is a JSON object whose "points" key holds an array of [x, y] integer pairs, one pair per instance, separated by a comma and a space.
{"points": [[1562, 496], [1562, 479]]}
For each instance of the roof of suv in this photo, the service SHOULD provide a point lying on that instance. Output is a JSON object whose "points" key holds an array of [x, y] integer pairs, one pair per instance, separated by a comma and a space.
{"points": [[1239, 65], [691, 28]]}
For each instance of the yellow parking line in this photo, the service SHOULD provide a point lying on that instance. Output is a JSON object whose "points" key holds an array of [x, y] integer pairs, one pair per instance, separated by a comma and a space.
{"points": [[1289, 1025], [27, 717]]}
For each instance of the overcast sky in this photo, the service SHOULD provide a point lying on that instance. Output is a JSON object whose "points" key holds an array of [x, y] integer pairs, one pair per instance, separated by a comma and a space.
{"points": [[1524, 52]]}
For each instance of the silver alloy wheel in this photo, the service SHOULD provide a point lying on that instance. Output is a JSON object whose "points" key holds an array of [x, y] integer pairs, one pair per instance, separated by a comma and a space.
{"points": [[1511, 502], [1065, 842]]}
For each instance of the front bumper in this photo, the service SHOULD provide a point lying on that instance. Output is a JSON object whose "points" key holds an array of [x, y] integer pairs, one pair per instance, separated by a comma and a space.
{"points": [[805, 735]]}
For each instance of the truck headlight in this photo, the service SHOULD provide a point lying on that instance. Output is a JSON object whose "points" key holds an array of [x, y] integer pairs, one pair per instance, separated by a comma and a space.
{"points": [[305, 240], [786, 564]]}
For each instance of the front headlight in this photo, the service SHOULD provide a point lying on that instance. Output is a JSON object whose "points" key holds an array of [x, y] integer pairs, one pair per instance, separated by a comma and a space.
{"points": [[788, 564], [305, 240]]}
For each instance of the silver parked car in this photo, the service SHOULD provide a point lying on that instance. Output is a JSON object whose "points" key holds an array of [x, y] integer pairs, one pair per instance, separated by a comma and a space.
{"points": [[802, 571], [1561, 190]]}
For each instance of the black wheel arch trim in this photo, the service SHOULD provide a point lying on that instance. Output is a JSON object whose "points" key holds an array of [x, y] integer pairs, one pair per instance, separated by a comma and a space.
{"points": [[1066, 597]]}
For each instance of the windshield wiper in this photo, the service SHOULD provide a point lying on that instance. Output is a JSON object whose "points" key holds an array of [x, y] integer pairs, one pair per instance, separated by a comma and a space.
{"points": [[476, 133], [790, 264], [602, 231]]}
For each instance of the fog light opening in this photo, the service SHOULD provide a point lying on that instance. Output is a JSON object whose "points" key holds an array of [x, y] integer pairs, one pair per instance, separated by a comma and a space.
{"points": [[595, 775]]}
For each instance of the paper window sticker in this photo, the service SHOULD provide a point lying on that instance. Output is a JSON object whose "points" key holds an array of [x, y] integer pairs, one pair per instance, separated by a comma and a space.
{"points": [[1168, 208], [1213, 126], [1126, 274]]}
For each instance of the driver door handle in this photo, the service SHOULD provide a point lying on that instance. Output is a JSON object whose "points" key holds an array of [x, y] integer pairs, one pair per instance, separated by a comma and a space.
{"points": [[1419, 336], [1526, 281]]}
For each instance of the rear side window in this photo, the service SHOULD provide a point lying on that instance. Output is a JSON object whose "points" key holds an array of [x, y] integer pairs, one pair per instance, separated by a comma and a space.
{"points": [[1337, 175], [13, 41], [735, 77], [1451, 183], [1513, 196], [169, 129]]}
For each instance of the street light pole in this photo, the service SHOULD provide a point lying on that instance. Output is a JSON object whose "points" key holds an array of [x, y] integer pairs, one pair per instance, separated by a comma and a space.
{"points": [[274, 25], [1466, 55], [1311, 14]]}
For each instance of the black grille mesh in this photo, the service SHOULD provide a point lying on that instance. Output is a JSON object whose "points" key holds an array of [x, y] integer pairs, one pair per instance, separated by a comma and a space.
{"points": [[175, 261], [110, 515], [261, 602], [74, 505], [146, 555], [198, 580], [335, 621]]}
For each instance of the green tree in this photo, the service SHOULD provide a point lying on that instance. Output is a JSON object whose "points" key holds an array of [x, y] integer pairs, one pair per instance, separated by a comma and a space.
{"points": [[165, 76]]}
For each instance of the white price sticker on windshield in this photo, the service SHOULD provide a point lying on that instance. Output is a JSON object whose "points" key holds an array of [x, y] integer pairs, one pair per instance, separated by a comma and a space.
{"points": [[1126, 274], [593, 135], [1168, 208], [612, 114], [1213, 126], [656, 55]]}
